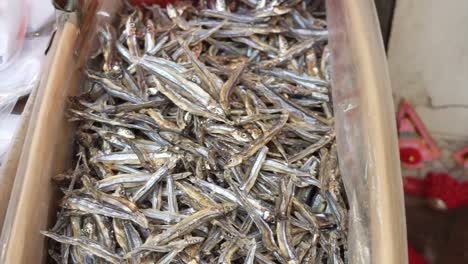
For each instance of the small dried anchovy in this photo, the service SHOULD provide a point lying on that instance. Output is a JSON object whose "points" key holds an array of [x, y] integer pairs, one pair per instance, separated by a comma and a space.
{"points": [[205, 135]]}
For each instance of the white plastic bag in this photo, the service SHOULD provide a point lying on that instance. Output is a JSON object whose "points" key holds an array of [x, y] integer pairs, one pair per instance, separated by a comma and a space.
{"points": [[21, 55], [13, 23]]}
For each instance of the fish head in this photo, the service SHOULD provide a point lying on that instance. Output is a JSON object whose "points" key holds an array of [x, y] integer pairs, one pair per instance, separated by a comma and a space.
{"points": [[228, 207], [216, 109], [233, 161], [125, 132], [241, 136], [115, 68], [130, 26], [194, 78], [150, 25], [281, 10]]}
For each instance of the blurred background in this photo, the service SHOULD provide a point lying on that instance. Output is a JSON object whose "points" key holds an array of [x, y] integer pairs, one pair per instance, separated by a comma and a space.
{"points": [[428, 64], [427, 51]]}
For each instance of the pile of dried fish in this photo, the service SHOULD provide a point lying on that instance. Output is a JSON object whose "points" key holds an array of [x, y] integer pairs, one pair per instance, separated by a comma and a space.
{"points": [[205, 135]]}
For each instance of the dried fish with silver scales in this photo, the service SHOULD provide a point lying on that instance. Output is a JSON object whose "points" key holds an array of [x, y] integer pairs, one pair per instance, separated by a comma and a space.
{"points": [[205, 135]]}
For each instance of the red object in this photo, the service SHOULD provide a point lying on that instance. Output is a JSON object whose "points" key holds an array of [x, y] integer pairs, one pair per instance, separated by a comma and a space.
{"points": [[461, 157], [151, 2], [438, 186], [414, 185], [409, 122], [410, 155], [442, 186], [414, 257], [463, 193]]}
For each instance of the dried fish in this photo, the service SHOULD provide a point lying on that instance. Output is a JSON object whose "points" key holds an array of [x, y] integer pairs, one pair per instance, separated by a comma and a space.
{"points": [[86, 244], [205, 135]]}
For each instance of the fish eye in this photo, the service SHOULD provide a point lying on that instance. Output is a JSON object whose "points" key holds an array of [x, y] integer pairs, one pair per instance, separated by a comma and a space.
{"points": [[195, 79], [244, 135], [231, 160]]}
